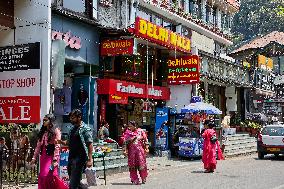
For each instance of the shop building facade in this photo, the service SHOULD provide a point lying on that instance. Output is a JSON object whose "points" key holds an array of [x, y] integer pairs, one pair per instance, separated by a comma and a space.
{"points": [[205, 24], [25, 56], [264, 55], [75, 62]]}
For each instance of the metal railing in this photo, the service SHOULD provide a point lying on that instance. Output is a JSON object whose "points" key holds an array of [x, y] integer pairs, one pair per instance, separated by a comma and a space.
{"points": [[15, 166]]}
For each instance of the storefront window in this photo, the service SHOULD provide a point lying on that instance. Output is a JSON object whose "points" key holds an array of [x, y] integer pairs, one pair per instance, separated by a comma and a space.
{"points": [[215, 20], [281, 64], [144, 15], [191, 6], [168, 25], [108, 63], [156, 20]]}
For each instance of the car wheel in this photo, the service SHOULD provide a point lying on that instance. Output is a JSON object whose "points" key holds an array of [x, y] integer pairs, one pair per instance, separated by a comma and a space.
{"points": [[260, 155], [276, 155]]}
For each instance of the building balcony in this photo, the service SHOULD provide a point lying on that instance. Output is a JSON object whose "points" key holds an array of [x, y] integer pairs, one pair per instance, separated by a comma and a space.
{"points": [[170, 11], [7, 14], [231, 6]]}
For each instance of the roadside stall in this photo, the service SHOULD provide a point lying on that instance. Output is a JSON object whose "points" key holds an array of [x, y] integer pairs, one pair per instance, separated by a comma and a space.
{"points": [[190, 125]]}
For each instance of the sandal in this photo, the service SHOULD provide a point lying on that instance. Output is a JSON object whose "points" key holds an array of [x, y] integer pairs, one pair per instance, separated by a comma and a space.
{"points": [[135, 182], [207, 171], [144, 181]]}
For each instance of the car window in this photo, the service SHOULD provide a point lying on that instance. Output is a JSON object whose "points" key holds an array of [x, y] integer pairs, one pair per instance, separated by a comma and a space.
{"points": [[273, 131]]}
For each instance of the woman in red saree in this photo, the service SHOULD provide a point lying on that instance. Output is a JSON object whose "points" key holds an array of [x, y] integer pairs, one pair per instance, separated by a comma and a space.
{"points": [[209, 148], [136, 147]]}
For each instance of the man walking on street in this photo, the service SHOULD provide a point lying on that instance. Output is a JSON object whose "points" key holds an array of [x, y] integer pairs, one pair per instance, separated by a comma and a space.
{"points": [[80, 144]]}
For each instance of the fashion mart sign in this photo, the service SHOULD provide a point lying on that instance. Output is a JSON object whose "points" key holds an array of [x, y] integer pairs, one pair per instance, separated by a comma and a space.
{"points": [[125, 89], [161, 36]]}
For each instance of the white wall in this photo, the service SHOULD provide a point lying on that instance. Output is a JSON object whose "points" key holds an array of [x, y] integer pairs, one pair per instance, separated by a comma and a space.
{"points": [[32, 24], [202, 42], [231, 102], [180, 96]]}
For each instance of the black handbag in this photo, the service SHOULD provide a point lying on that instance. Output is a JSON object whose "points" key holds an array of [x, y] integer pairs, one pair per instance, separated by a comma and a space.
{"points": [[213, 139], [50, 149]]}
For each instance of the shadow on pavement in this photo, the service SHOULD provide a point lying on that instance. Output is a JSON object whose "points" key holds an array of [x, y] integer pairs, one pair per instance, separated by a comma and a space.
{"points": [[121, 184], [271, 158], [197, 171]]}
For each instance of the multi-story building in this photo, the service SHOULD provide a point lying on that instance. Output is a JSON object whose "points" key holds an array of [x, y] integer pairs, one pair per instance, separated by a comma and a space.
{"points": [[24, 54], [204, 24], [265, 55]]}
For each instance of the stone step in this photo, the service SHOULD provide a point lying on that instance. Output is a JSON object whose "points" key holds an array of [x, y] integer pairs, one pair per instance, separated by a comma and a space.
{"points": [[243, 152], [239, 148], [238, 135], [98, 162], [239, 138], [233, 143]]}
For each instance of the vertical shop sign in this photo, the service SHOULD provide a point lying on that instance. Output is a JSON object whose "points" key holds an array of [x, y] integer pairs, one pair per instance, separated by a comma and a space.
{"points": [[183, 70], [64, 153], [20, 83], [103, 110], [161, 131]]}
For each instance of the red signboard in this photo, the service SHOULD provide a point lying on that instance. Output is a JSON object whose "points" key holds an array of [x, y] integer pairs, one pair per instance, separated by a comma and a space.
{"points": [[183, 70], [117, 47], [161, 36], [20, 109], [124, 89], [20, 84]]}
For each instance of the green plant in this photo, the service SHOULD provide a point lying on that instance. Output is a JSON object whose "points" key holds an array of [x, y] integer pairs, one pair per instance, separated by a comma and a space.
{"points": [[254, 125], [243, 124], [235, 120]]}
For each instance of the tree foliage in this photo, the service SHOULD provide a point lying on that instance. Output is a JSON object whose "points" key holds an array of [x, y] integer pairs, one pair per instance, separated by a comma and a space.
{"points": [[258, 17]]}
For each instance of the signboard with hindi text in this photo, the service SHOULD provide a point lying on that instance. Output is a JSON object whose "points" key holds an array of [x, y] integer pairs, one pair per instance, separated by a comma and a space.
{"points": [[183, 70]]}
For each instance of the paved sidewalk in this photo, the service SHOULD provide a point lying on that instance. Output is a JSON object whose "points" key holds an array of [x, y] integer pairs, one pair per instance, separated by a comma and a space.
{"points": [[155, 164]]}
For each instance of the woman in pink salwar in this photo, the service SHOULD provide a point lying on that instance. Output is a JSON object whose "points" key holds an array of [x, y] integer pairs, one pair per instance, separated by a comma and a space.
{"points": [[209, 148], [48, 149], [136, 147]]}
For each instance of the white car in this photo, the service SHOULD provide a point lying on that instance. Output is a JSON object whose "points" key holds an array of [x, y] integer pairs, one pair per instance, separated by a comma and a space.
{"points": [[270, 140]]}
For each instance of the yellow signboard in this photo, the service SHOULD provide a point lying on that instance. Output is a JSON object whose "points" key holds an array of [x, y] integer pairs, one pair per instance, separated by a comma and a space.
{"points": [[265, 62]]}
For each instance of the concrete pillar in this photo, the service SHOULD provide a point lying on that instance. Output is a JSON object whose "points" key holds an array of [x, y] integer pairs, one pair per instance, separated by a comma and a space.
{"points": [[231, 102], [206, 90], [133, 9]]}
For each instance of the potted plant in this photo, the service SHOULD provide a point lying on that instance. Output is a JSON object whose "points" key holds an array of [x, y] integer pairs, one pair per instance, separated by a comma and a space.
{"points": [[255, 128], [243, 126]]}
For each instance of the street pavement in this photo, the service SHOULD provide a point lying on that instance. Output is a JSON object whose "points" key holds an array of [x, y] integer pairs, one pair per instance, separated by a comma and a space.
{"points": [[245, 172], [235, 173]]}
